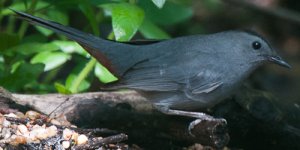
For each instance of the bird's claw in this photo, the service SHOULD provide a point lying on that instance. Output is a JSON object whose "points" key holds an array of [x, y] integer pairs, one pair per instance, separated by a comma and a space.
{"points": [[198, 121]]}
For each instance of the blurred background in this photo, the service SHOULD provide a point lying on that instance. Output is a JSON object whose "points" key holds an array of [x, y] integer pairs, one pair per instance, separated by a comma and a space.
{"points": [[35, 60]]}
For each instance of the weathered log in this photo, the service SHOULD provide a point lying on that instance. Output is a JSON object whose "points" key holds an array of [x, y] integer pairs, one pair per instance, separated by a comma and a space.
{"points": [[126, 111]]}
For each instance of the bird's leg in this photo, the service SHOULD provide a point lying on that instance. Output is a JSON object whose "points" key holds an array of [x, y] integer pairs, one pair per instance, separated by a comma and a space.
{"points": [[198, 115]]}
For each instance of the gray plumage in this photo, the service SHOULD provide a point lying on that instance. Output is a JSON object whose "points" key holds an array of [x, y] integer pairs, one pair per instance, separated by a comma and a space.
{"points": [[183, 73]]}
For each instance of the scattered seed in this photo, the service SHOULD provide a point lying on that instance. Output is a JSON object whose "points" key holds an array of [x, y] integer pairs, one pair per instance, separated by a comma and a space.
{"points": [[67, 134], [66, 144], [82, 139]]}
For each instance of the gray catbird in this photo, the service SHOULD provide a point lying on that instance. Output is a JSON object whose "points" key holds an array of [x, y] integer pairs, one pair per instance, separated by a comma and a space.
{"points": [[180, 74]]}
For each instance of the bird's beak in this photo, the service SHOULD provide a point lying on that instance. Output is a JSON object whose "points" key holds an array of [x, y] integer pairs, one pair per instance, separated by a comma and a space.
{"points": [[278, 60]]}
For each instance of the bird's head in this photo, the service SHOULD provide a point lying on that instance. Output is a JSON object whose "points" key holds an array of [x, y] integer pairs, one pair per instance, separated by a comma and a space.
{"points": [[253, 48]]}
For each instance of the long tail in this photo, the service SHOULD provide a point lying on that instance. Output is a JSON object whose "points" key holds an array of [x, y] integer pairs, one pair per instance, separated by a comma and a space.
{"points": [[113, 55]]}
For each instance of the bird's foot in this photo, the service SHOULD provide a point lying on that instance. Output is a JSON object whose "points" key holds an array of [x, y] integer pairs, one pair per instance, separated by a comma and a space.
{"points": [[204, 120], [206, 123]]}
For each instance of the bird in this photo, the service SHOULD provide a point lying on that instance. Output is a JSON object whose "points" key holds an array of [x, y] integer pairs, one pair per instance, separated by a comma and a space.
{"points": [[178, 75]]}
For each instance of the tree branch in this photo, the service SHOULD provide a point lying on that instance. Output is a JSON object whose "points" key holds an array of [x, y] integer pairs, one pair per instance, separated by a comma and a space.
{"points": [[127, 112]]}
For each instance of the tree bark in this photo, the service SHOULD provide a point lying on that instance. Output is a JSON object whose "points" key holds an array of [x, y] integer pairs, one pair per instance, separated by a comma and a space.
{"points": [[126, 111]]}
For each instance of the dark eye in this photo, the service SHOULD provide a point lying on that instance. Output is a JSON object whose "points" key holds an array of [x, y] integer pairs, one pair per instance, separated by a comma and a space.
{"points": [[256, 45]]}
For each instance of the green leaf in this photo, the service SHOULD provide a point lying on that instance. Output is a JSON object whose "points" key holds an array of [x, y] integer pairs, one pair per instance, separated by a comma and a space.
{"points": [[31, 48], [72, 3], [16, 65], [100, 2], [8, 40], [84, 85], [170, 14], [79, 75], [61, 88], [1, 59], [35, 38], [20, 6], [126, 19], [71, 47], [44, 31], [24, 75], [159, 3], [86, 8], [50, 59], [151, 31], [53, 15], [58, 16], [103, 74]]}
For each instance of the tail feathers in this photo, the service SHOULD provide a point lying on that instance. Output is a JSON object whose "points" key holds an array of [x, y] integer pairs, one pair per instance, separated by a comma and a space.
{"points": [[106, 52], [72, 33]]}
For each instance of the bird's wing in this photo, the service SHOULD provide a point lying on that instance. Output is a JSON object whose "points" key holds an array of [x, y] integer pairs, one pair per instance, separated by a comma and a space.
{"points": [[172, 75], [203, 82], [150, 79]]}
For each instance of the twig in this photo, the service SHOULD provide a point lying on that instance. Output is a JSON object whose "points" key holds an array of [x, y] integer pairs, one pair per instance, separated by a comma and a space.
{"points": [[18, 120], [95, 131], [89, 131], [97, 143]]}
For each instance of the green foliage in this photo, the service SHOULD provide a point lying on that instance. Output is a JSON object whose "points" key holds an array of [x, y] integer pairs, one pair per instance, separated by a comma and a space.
{"points": [[61, 88], [170, 14], [34, 59], [159, 3], [126, 19], [22, 6], [50, 59], [152, 31], [102, 74], [86, 8], [31, 48], [70, 47], [54, 15], [22, 76], [8, 40], [71, 81]]}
